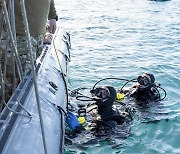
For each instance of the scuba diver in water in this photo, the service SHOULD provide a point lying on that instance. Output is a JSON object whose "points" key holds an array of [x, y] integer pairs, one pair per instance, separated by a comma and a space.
{"points": [[112, 111], [102, 115], [145, 90]]}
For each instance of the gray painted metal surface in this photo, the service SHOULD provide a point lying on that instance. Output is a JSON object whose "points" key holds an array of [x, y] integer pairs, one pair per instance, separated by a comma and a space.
{"points": [[20, 134]]}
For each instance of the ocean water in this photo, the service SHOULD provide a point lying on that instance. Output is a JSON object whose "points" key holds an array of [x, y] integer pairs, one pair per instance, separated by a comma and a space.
{"points": [[124, 38]]}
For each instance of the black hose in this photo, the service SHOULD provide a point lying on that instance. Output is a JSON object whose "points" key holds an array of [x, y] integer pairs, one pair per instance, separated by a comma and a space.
{"points": [[164, 93], [88, 98], [132, 80], [108, 79], [62, 132]]}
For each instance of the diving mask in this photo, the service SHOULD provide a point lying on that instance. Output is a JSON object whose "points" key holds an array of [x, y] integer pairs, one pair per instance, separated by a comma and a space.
{"points": [[101, 94], [144, 80]]}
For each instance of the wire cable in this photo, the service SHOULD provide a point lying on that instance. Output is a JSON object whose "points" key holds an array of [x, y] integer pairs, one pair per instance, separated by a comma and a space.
{"points": [[26, 27]]}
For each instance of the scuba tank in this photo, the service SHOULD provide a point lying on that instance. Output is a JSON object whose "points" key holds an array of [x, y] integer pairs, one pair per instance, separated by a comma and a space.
{"points": [[82, 115]]}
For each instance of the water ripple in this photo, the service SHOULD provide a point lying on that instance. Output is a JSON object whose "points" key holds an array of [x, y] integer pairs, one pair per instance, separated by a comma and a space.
{"points": [[122, 38]]}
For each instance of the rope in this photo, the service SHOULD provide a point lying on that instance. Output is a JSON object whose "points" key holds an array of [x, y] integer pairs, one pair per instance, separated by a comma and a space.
{"points": [[4, 73], [12, 22], [66, 88], [12, 40], [34, 74], [63, 76], [12, 17], [3, 99], [2, 89], [1, 22]]}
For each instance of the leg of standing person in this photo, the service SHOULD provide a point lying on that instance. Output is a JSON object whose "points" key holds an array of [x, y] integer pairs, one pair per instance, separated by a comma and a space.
{"points": [[23, 51]]}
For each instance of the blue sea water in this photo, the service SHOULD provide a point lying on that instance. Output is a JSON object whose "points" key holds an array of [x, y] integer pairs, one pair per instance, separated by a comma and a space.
{"points": [[124, 38]]}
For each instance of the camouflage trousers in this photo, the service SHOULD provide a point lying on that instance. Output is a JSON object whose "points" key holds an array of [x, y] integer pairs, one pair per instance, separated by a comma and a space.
{"points": [[24, 55], [23, 51]]}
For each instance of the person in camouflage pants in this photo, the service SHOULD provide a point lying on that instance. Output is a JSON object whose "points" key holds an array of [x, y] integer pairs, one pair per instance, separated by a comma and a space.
{"points": [[37, 46], [38, 12], [24, 55]]}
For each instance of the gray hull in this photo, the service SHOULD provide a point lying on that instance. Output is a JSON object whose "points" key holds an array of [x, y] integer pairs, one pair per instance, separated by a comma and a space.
{"points": [[21, 134]]}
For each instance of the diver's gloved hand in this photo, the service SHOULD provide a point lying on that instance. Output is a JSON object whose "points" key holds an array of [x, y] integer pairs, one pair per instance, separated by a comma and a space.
{"points": [[72, 121]]}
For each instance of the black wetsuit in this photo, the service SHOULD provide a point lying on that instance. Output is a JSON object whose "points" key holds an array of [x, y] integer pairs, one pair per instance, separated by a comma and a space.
{"points": [[111, 117], [144, 96], [107, 122], [101, 119]]}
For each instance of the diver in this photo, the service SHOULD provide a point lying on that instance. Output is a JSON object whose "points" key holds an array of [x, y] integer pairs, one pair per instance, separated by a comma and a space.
{"points": [[111, 110], [145, 90], [102, 116]]}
